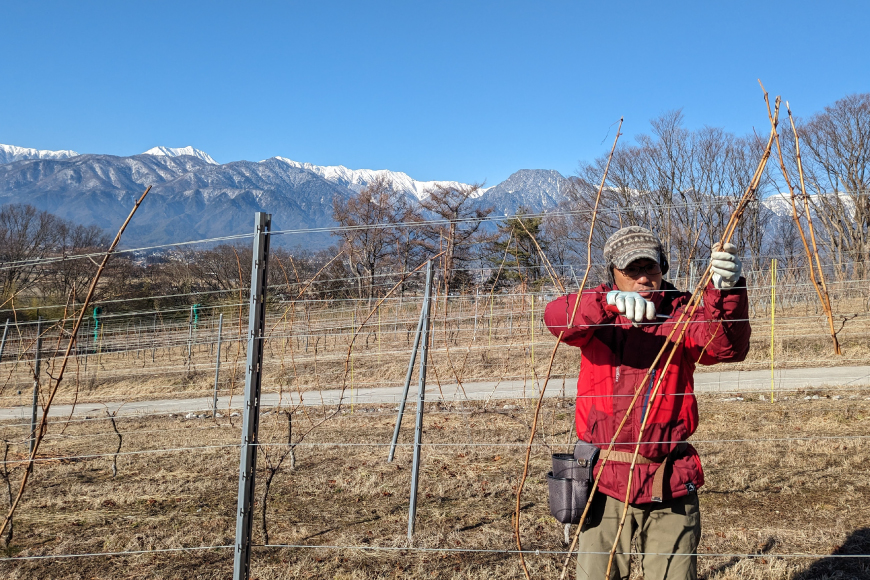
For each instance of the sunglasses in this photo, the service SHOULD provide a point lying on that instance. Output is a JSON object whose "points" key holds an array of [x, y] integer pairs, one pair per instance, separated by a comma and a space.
{"points": [[635, 271]]}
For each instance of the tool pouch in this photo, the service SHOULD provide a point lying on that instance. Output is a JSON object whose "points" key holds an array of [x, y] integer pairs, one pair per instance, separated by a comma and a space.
{"points": [[570, 481]]}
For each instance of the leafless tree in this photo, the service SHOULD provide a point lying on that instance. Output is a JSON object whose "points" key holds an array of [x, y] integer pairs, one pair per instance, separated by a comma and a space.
{"points": [[457, 227], [836, 156], [218, 268], [75, 273], [368, 235], [682, 184], [26, 235]]}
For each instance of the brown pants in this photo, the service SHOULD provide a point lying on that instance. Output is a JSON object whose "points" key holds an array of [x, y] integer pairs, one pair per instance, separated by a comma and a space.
{"points": [[664, 531]]}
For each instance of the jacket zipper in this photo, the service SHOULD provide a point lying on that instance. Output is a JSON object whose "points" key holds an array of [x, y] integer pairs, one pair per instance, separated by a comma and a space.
{"points": [[652, 381]]}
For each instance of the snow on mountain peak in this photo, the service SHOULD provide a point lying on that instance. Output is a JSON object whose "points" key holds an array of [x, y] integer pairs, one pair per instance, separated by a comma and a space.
{"points": [[12, 153], [358, 179], [176, 151]]}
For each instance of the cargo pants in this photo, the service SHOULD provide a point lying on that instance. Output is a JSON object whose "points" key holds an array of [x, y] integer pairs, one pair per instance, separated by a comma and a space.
{"points": [[664, 531]]}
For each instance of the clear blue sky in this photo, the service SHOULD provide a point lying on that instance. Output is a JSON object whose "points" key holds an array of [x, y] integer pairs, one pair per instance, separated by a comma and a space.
{"points": [[461, 90]]}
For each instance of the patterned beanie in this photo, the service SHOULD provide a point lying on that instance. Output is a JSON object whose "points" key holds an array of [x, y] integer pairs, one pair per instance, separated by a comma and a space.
{"points": [[630, 244]]}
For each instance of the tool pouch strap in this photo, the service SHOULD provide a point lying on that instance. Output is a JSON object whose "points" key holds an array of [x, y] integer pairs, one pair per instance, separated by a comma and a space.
{"points": [[659, 477]]}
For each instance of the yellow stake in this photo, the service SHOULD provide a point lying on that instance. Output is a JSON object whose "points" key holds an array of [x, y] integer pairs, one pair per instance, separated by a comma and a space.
{"points": [[772, 320], [352, 333], [533, 341], [491, 302], [379, 336]]}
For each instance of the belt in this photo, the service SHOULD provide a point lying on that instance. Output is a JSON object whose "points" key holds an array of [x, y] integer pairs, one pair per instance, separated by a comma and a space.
{"points": [[659, 477]]}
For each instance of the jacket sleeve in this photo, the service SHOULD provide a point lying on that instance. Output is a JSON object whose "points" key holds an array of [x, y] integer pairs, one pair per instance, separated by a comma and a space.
{"points": [[720, 329], [588, 318]]}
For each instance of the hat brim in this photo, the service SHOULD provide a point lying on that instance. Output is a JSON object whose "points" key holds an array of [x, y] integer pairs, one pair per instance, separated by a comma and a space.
{"points": [[633, 255]]}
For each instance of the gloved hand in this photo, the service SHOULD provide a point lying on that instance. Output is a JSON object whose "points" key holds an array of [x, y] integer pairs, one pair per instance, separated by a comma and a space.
{"points": [[726, 266], [632, 305]]}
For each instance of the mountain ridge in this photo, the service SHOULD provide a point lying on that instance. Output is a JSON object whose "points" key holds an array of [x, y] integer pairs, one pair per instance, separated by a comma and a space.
{"points": [[13, 153], [194, 198], [160, 150]]}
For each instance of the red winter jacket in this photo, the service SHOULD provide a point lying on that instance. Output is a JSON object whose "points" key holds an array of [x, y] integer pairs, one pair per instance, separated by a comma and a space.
{"points": [[615, 356]]}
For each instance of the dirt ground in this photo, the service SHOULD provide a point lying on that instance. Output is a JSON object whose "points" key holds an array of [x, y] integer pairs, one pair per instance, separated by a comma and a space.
{"points": [[784, 478]]}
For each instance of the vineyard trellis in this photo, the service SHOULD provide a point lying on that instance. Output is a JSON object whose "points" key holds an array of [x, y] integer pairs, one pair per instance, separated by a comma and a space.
{"points": [[320, 351], [132, 347]]}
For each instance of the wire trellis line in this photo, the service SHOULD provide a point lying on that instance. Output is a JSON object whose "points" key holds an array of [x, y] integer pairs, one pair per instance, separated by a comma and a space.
{"points": [[435, 445]]}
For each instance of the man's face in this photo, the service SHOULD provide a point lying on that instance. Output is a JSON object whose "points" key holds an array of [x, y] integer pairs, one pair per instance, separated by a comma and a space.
{"points": [[636, 277]]}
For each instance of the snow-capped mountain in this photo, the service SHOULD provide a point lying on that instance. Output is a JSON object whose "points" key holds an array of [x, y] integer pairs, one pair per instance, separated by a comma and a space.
{"points": [[178, 151], [535, 189], [190, 198], [358, 179], [12, 153], [194, 197]]}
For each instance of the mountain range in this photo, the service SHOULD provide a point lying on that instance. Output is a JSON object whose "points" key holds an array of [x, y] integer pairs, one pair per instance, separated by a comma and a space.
{"points": [[194, 197]]}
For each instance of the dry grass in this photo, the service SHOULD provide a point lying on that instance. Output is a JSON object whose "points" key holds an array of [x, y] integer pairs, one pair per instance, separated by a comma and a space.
{"points": [[761, 497]]}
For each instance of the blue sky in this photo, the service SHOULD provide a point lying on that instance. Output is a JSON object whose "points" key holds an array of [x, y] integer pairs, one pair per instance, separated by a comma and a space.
{"points": [[465, 90]]}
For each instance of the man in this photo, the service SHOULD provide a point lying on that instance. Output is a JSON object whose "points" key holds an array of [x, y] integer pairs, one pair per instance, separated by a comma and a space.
{"points": [[620, 327]]}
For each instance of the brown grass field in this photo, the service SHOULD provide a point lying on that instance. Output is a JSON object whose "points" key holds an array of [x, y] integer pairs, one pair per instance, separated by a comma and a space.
{"points": [[800, 484], [783, 479]]}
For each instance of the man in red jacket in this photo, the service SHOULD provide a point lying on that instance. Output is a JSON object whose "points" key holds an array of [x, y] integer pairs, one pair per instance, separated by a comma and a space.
{"points": [[617, 350]]}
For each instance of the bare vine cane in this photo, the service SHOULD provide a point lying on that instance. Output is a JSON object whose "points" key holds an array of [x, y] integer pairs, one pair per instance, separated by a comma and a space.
{"points": [[301, 292], [43, 424], [818, 283], [550, 269], [525, 474], [684, 320], [377, 305], [824, 295]]}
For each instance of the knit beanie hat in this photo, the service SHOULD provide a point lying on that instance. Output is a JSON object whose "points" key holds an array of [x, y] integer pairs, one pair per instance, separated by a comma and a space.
{"points": [[630, 244]]}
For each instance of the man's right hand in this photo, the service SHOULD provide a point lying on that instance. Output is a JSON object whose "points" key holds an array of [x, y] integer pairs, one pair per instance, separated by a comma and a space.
{"points": [[632, 305]]}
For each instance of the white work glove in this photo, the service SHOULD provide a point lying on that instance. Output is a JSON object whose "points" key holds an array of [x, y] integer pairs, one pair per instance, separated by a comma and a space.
{"points": [[632, 305], [726, 266]]}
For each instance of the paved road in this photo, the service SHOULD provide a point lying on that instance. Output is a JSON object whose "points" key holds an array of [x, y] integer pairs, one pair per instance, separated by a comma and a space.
{"points": [[727, 382]]}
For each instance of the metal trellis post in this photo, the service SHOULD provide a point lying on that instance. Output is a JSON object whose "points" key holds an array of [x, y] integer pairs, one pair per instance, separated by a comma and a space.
{"points": [[253, 377], [421, 395], [3, 342], [411, 365], [217, 364], [189, 339], [36, 365]]}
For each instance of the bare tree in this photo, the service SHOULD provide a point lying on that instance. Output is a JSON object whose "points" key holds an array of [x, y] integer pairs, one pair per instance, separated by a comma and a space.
{"points": [[218, 268], [679, 183], [26, 235], [456, 228], [75, 273], [369, 235], [836, 157]]}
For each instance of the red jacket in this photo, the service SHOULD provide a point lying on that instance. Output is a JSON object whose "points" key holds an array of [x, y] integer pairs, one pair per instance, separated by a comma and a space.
{"points": [[615, 356]]}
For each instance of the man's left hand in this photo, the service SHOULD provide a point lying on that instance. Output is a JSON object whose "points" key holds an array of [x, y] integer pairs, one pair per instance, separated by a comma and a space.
{"points": [[726, 266]]}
